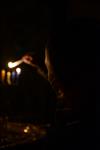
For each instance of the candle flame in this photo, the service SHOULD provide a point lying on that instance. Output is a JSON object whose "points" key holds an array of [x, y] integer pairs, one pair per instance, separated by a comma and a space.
{"points": [[18, 70], [14, 64]]}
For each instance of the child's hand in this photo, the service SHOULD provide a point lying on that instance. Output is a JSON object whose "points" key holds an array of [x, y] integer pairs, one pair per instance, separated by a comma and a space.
{"points": [[27, 59]]}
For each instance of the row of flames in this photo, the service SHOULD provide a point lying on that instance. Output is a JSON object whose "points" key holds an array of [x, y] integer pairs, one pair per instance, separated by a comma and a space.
{"points": [[10, 77]]}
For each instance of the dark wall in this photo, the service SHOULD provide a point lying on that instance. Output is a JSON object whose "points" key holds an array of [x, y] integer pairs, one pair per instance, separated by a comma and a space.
{"points": [[66, 27]]}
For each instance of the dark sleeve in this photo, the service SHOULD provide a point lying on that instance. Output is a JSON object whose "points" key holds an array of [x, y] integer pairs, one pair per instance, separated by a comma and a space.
{"points": [[51, 104]]}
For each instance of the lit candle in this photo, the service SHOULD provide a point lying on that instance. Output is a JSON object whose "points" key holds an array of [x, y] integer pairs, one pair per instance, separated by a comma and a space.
{"points": [[9, 77], [13, 76], [3, 75], [15, 64], [10, 65], [18, 71]]}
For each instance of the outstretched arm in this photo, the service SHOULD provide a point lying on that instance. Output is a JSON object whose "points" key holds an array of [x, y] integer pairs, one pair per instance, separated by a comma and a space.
{"points": [[27, 59], [56, 85]]}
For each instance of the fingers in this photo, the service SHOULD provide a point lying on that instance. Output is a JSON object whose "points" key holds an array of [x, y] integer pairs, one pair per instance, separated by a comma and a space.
{"points": [[27, 59]]}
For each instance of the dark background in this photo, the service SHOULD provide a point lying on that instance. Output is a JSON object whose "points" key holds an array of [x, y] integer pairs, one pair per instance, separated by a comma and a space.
{"points": [[69, 30], [29, 25], [65, 27]]}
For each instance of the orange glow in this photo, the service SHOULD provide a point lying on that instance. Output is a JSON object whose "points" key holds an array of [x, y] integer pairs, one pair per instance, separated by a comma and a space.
{"points": [[3, 74], [26, 130], [9, 77]]}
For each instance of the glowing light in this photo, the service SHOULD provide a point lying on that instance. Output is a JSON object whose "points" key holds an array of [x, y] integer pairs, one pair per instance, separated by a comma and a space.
{"points": [[10, 65], [9, 77], [13, 75], [18, 70], [3, 74], [26, 130], [14, 64]]}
